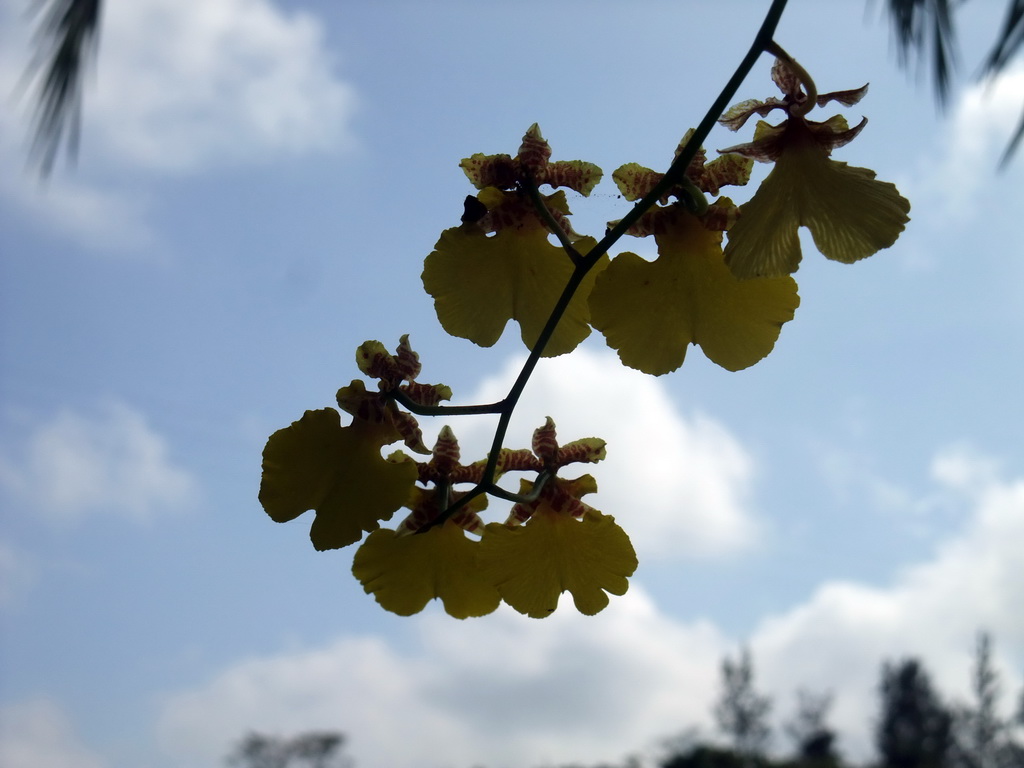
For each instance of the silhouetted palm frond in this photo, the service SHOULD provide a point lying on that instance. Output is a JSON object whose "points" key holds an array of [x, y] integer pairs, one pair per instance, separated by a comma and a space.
{"points": [[923, 24], [1008, 45], [65, 39], [1010, 39]]}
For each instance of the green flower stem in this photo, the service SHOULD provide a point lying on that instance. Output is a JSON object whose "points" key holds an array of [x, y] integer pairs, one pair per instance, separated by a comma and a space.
{"points": [[441, 519], [523, 498], [799, 109], [444, 495], [487, 483], [762, 41], [676, 172], [552, 224], [492, 489], [444, 410], [698, 203]]}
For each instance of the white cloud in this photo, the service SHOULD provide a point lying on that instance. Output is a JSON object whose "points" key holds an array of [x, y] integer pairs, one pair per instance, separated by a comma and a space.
{"points": [[961, 468], [678, 483], [38, 734], [985, 117], [111, 463], [184, 84], [508, 691], [177, 87], [932, 610], [855, 479], [951, 178]]}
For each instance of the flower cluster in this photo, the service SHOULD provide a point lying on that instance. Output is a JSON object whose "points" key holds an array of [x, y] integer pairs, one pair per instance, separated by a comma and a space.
{"points": [[550, 543], [721, 281]]}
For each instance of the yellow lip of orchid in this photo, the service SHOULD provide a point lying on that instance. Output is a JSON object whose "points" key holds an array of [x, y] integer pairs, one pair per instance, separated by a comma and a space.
{"points": [[404, 573], [407, 567], [337, 471], [651, 311], [554, 551], [479, 283], [579, 549]]}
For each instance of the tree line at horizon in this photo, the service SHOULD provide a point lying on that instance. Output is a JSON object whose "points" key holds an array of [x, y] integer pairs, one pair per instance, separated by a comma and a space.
{"points": [[915, 727]]}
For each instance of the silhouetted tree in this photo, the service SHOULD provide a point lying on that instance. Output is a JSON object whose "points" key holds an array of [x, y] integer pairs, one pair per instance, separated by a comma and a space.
{"points": [[742, 712], [977, 726], [984, 739], [815, 740], [307, 750], [915, 730], [705, 756]]}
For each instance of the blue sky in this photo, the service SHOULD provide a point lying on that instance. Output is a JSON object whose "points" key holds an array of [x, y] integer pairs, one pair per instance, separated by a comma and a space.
{"points": [[258, 185]]}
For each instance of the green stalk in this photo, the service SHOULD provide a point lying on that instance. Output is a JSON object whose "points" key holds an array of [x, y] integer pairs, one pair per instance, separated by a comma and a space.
{"points": [[763, 40]]}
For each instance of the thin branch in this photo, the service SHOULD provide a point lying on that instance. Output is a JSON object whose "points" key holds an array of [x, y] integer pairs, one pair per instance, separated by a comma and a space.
{"points": [[445, 410], [1011, 148], [797, 110]]}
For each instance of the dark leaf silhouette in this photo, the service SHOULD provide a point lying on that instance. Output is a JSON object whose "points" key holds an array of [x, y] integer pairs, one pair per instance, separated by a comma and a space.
{"points": [[923, 25], [66, 38]]}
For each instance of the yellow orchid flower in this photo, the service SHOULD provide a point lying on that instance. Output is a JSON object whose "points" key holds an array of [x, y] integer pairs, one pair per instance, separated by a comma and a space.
{"points": [[420, 560], [565, 546], [851, 215]]}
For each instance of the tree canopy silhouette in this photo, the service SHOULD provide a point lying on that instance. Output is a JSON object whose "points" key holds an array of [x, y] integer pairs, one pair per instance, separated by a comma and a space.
{"points": [[742, 712], [915, 730], [314, 749]]}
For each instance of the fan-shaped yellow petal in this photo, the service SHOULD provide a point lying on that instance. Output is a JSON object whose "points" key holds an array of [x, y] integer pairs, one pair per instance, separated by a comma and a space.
{"points": [[337, 471], [405, 572], [636, 305], [480, 282], [532, 564], [851, 215], [651, 311], [763, 242]]}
